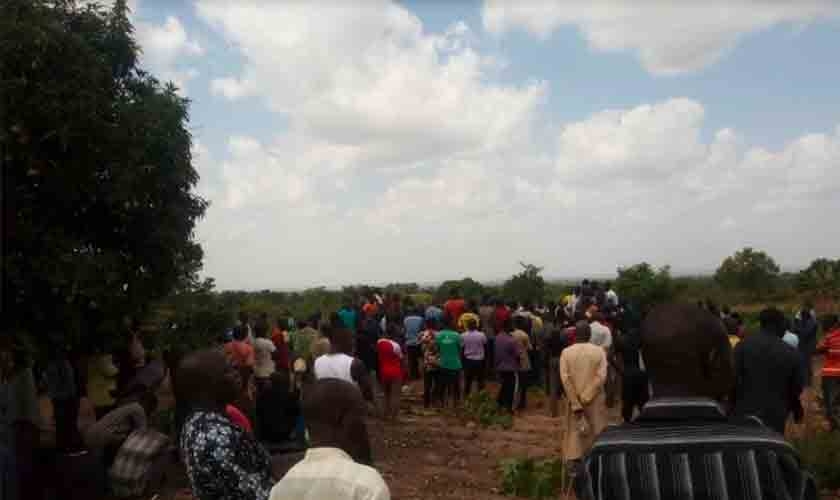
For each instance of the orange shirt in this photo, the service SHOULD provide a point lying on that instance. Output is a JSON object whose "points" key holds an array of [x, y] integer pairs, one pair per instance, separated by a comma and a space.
{"points": [[240, 353], [830, 345]]}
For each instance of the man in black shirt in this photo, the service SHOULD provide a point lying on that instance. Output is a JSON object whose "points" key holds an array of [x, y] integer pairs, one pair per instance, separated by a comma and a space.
{"points": [[682, 445], [768, 374]]}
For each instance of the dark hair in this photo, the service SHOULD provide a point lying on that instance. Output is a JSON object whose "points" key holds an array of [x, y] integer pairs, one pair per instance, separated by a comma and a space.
{"points": [[507, 325], [335, 412], [687, 352], [773, 321], [240, 332], [830, 321], [520, 322], [471, 324]]}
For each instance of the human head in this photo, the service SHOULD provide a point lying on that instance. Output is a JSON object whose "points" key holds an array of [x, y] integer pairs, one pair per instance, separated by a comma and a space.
{"points": [[607, 285], [454, 293], [243, 317], [206, 379], [472, 306], [772, 320], [507, 325], [149, 402], [282, 322], [342, 341], [302, 323], [499, 302], [520, 322], [598, 316], [830, 322], [432, 324], [583, 332], [334, 412], [686, 352], [576, 291], [471, 324], [240, 332]]}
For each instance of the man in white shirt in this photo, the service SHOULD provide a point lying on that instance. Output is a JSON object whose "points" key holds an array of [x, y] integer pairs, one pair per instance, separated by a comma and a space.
{"points": [[611, 296], [335, 415], [601, 335]]}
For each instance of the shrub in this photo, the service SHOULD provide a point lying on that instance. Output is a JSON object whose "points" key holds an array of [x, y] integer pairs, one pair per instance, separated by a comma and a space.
{"points": [[820, 454], [481, 407], [530, 478]]}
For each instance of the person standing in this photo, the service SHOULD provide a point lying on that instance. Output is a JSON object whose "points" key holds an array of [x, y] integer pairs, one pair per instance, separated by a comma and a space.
{"points": [[454, 308], [683, 445], [64, 394], [830, 348], [280, 339], [470, 313], [768, 374], [805, 326], [222, 459], [336, 466], [449, 345], [341, 364], [507, 356], [390, 374], [413, 326], [520, 323], [583, 372], [475, 343], [264, 350], [348, 315], [431, 362], [240, 351]]}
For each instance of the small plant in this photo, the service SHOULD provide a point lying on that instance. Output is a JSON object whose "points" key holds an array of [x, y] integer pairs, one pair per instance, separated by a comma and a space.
{"points": [[482, 407], [530, 478], [820, 454]]}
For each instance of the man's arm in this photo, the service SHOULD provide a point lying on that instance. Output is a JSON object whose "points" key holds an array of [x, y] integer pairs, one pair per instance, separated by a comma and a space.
{"points": [[568, 384], [360, 374]]}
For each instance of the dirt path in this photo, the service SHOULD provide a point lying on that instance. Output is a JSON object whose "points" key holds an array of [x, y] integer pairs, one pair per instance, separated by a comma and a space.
{"points": [[434, 454]]}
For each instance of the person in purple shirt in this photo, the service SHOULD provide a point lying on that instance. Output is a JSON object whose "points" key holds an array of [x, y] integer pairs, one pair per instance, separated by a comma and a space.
{"points": [[474, 344], [507, 353]]}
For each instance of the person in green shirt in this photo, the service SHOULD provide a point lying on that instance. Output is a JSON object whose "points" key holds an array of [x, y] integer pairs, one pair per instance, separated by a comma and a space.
{"points": [[449, 345]]}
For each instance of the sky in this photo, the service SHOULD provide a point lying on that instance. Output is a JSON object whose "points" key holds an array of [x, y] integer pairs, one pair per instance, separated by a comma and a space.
{"points": [[377, 141]]}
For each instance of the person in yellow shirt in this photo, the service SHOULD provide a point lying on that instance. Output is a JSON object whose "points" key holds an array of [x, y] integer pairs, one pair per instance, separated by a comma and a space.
{"points": [[102, 381], [470, 314]]}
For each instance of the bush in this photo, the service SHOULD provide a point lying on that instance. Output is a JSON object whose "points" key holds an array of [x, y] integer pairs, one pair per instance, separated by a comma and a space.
{"points": [[820, 454], [529, 478], [481, 407]]}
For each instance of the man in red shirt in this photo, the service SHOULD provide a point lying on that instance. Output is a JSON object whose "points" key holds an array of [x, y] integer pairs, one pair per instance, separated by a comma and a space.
{"points": [[830, 347], [501, 315], [454, 308]]}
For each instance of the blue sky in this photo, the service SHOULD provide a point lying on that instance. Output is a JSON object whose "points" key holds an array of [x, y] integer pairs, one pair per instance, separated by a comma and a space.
{"points": [[426, 140]]}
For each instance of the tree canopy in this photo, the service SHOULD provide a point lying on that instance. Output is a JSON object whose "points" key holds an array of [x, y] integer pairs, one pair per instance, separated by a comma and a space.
{"points": [[98, 177], [528, 286], [821, 278], [645, 286], [749, 270]]}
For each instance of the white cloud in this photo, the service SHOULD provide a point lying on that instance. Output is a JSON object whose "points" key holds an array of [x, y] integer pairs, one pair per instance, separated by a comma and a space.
{"points": [[668, 37], [368, 76], [164, 49]]}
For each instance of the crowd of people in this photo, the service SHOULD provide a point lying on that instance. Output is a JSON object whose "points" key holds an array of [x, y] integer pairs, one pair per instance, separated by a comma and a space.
{"points": [[279, 410]]}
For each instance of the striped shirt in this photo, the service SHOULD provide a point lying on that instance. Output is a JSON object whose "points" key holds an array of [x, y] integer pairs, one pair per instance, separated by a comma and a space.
{"points": [[688, 449]]}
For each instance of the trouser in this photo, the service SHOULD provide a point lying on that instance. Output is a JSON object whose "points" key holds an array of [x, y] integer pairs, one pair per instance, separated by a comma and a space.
{"points": [[449, 386], [506, 391], [578, 476], [391, 407], [473, 371], [430, 386], [66, 415], [522, 383], [831, 400], [490, 356], [806, 352], [634, 393], [534, 376], [554, 384], [414, 355]]}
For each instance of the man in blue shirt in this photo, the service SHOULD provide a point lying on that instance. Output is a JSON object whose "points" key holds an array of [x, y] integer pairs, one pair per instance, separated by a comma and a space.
{"points": [[413, 324]]}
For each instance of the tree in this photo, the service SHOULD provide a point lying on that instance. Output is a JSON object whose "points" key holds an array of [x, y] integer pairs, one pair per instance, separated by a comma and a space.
{"points": [[467, 288], [821, 278], [644, 286], [748, 270], [99, 209], [526, 287]]}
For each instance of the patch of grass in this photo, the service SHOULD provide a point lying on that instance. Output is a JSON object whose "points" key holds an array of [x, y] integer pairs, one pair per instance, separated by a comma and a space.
{"points": [[482, 408], [531, 478], [820, 453]]}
